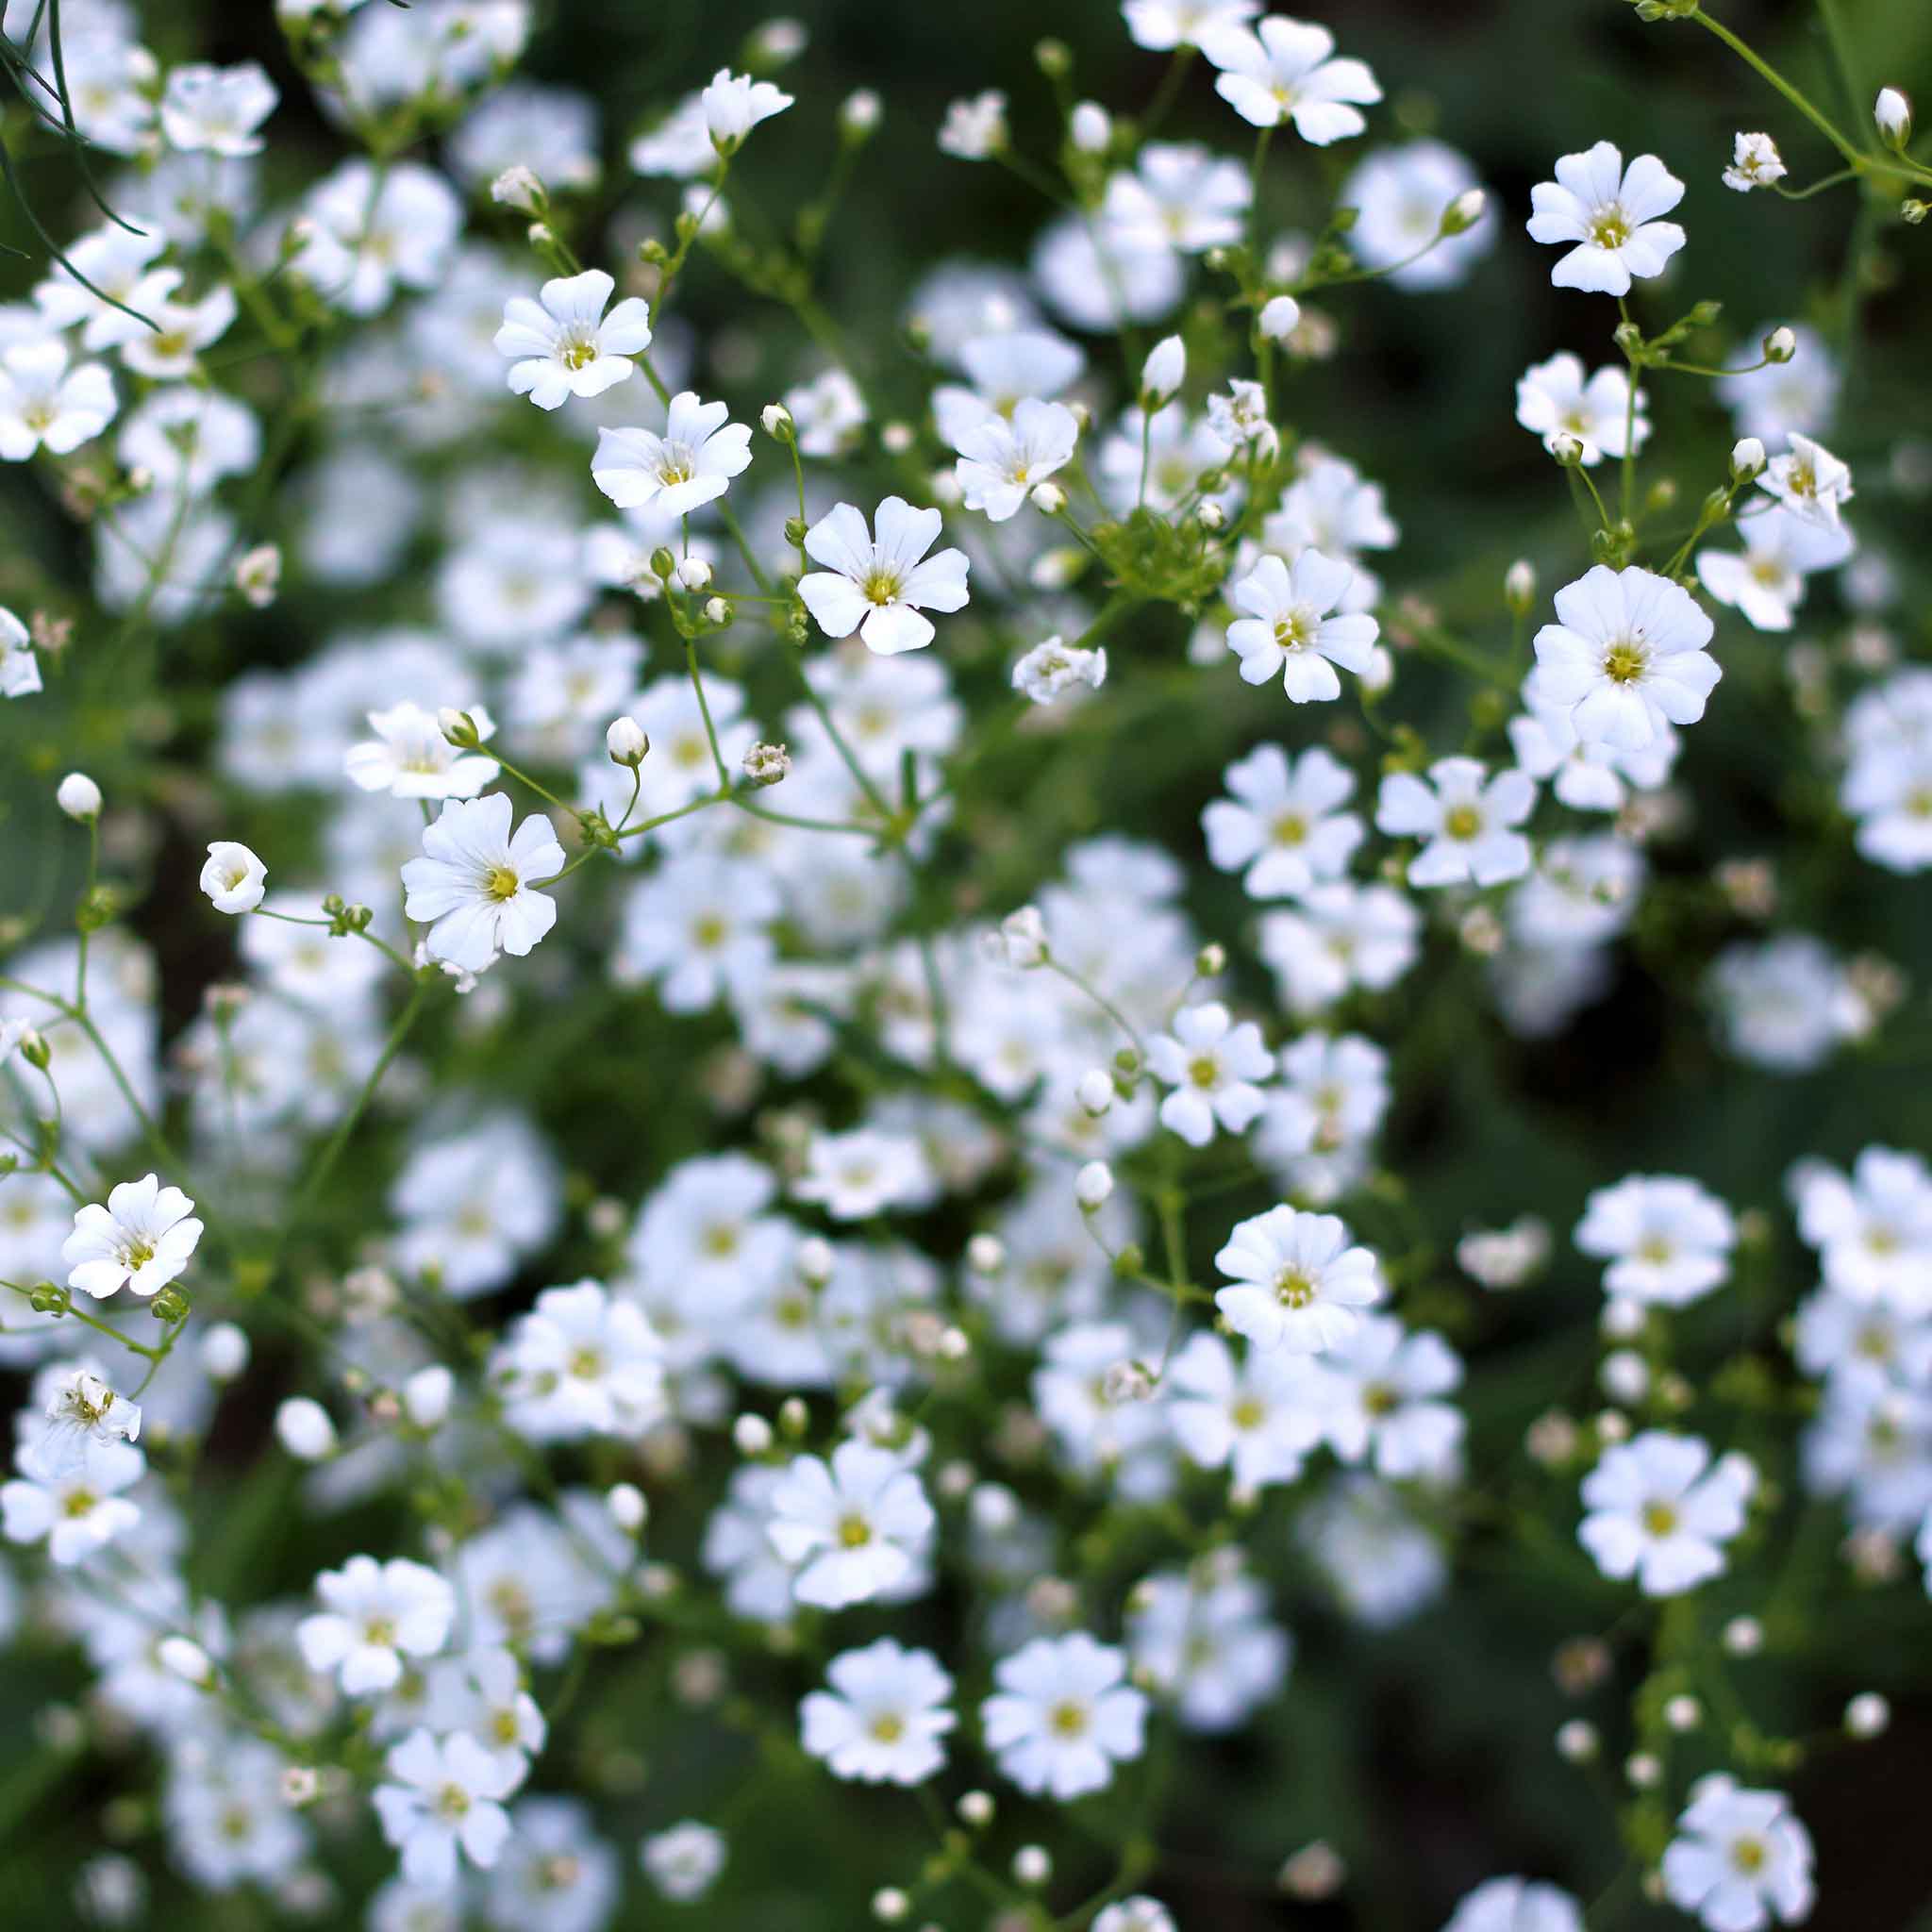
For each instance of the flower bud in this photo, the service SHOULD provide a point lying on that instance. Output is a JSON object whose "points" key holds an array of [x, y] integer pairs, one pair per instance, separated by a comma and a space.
{"points": [[1164, 371], [1021, 940], [1913, 212], [305, 1431], [890, 1905], [778, 421], [1567, 449], [694, 574], [1780, 345], [1866, 1715], [519, 188], [975, 1809], [1095, 1093], [627, 1507], [1090, 128], [1519, 586], [224, 1352], [1464, 212], [78, 796], [458, 728], [1578, 1741], [1281, 315], [258, 576], [427, 1396], [1747, 459], [1049, 498], [625, 740], [1894, 113], [185, 1658], [1093, 1185], [717, 612], [859, 115], [1032, 1865], [752, 1435]]}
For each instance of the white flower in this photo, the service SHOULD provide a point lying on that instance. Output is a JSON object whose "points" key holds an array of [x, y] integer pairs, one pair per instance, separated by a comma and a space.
{"points": [[1281, 829], [1414, 215], [880, 588], [1740, 1858], [1660, 1512], [374, 1615], [1625, 657], [217, 110], [1381, 1388], [233, 878], [1610, 212], [1667, 1241], [446, 1797], [1051, 669], [1181, 196], [1211, 1064], [563, 343], [684, 1861], [82, 1414], [1466, 819], [827, 413], [1281, 70], [1137, 1914], [410, 757], [1554, 399], [1766, 584], [1288, 628], [581, 1364], [45, 402], [19, 669], [1516, 1905], [1755, 164], [1809, 481], [141, 1241], [976, 127], [883, 1718], [691, 462], [856, 1175], [474, 881], [1299, 1281], [1063, 1715], [305, 1429], [853, 1528], [1000, 461], [79, 1510], [1162, 25], [78, 796], [734, 104]]}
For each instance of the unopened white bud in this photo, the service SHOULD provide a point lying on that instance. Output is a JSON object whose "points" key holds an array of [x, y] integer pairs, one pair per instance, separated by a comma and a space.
{"points": [[890, 1905], [717, 610], [1743, 1636], [859, 113], [895, 439], [625, 740], [694, 574], [224, 1352], [1093, 1185], [1519, 586], [815, 1260], [1747, 459], [1090, 126], [751, 1435], [427, 1394], [1464, 212], [1683, 1714], [185, 1658], [778, 421], [976, 1810], [985, 1254], [1567, 448], [1095, 1091], [519, 188], [1866, 1715], [1578, 1741], [304, 1429], [1894, 113], [1644, 1769], [1164, 371], [1209, 514], [1281, 315], [1780, 345], [1032, 1865], [78, 796], [627, 1507], [1049, 499]]}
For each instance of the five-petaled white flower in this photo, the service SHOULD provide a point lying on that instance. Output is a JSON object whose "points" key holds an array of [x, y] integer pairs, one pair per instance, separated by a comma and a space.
{"points": [[1740, 1858], [141, 1241], [1298, 1281], [1755, 164], [1667, 1241], [217, 110], [1610, 213], [853, 1526], [1292, 627], [373, 1616], [690, 462], [563, 343], [1625, 657], [1809, 481], [1466, 819], [883, 1716], [1213, 1065], [1280, 70], [1064, 1715], [1554, 399], [475, 882], [1000, 460], [1661, 1511], [734, 104], [879, 588], [82, 1415], [45, 402], [446, 1796]]}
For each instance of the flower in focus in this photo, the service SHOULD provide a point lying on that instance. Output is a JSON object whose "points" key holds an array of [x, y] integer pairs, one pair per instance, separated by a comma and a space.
{"points": [[1610, 213], [141, 1241], [475, 882], [564, 345], [880, 588]]}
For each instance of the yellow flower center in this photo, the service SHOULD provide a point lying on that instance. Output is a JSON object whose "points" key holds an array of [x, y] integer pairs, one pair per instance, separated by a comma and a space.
{"points": [[502, 883]]}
